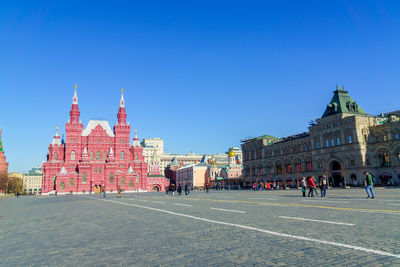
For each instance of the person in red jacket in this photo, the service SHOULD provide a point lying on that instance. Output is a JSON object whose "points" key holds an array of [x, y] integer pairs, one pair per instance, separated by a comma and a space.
{"points": [[311, 185]]}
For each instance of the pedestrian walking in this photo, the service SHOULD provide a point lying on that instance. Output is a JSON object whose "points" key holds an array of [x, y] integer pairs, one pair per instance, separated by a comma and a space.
{"points": [[369, 182], [119, 192], [104, 193], [311, 186], [166, 190], [303, 185], [315, 186], [179, 190], [173, 189], [187, 190], [323, 183]]}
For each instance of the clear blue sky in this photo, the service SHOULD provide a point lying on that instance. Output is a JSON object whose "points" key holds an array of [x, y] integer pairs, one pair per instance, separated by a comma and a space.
{"points": [[199, 74]]}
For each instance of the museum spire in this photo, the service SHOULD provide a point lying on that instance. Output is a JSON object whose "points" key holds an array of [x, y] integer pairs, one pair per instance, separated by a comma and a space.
{"points": [[121, 111], [74, 112], [75, 97]]}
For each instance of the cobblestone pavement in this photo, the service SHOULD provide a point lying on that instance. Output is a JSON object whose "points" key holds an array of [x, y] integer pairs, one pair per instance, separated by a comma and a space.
{"points": [[224, 228]]}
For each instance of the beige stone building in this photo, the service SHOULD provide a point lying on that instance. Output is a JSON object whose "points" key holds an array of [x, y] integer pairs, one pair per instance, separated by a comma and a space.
{"points": [[343, 143], [192, 175], [151, 145], [32, 181]]}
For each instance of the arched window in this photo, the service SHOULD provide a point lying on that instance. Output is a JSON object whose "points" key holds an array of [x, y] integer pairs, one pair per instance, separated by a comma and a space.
{"points": [[288, 167], [100, 170], [279, 168], [136, 157], [123, 180], [111, 177], [98, 155], [131, 184], [122, 155], [84, 178], [309, 165], [104, 155], [55, 156], [62, 185], [72, 155], [71, 182], [368, 161], [91, 155], [384, 158]]}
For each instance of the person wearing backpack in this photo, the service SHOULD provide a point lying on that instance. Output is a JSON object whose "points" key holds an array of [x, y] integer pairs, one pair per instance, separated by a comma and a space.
{"points": [[369, 182], [323, 183]]}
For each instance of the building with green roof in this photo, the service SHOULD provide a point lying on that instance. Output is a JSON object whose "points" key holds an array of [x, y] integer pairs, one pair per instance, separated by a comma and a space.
{"points": [[343, 143]]}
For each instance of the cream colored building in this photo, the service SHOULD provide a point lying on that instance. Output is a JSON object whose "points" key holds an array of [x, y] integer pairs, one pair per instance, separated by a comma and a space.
{"points": [[193, 175], [151, 145], [343, 143], [32, 181]]}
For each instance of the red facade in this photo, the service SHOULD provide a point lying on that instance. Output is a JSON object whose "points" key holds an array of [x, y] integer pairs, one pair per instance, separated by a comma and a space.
{"points": [[97, 158], [3, 163]]}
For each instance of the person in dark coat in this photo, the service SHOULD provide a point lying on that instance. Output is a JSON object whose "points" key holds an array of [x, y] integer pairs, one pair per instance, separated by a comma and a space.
{"points": [[180, 190], [187, 190]]}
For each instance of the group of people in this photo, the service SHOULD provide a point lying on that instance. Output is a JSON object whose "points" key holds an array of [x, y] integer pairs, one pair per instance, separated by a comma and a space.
{"points": [[311, 184], [269, 186], [170, 190]]}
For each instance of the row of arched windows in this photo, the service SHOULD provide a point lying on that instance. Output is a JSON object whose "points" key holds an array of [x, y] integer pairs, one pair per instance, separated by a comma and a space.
{"points": [[98, 155]]}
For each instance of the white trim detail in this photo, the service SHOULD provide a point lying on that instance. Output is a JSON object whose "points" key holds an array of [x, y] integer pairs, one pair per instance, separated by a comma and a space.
{"points": [[63, 171], [93, 123]]}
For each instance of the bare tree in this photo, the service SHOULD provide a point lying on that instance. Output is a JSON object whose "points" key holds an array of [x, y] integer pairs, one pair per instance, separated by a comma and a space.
{"points": [[3, 182]]}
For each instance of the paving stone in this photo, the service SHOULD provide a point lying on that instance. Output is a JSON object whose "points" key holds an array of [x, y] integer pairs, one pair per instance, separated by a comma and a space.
{"points": [[77, 231]]}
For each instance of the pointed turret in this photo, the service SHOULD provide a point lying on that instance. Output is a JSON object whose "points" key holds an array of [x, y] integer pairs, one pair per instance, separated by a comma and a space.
{"points": [[1, 144], [136, 149], [110, 156], [75, 97], [136, 142], [121, 102], [74, 112], [63, 171], [121, 111], [213, 162], [231, 156], [56, 139], [3, 163], [85, 156], [130, 170], [342, 103]]}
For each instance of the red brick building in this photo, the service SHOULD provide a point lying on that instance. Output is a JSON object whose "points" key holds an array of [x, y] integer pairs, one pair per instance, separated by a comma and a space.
{"points": [[97, 158], [3, 163]]}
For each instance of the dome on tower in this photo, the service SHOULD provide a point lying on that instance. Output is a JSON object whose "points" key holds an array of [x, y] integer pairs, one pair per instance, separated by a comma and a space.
{"points": [[231, 153]]}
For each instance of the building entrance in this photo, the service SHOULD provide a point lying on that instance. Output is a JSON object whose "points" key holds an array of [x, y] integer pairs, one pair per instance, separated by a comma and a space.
{"points": [[336, 174], [97, 189]]}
